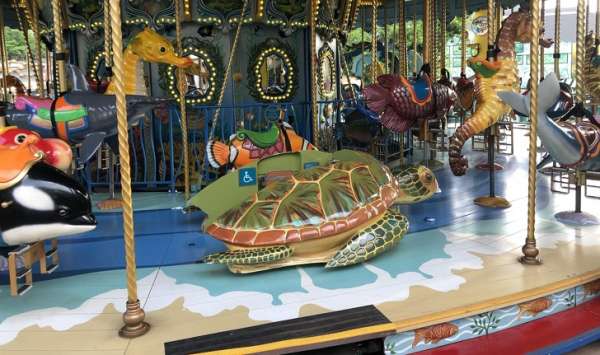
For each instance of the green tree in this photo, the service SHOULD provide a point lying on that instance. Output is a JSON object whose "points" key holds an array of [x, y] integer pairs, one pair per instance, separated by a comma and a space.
{"points": [[15, 43]]}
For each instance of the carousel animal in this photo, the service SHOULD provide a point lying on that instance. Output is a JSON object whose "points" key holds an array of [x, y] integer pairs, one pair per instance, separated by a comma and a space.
{"points": [[79, 116], [591, 68], [14, 82], [56, 152], [84, 117], [37, 201], [490, 78], [465, 90], [570, 144], [246, 146], [339, 214], [400, 102]]}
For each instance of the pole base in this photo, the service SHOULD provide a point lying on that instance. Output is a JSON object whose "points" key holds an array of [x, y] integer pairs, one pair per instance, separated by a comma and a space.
{"points": [[492, 202], [547, 170], [110, 204], [577, 218], [530, 261], [530, 253], [134, 321], [486, 167], [432, 164]]}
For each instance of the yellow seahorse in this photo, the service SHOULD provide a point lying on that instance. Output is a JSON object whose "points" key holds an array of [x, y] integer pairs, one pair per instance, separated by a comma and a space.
{"points": [[591, 68], [490, 78]]}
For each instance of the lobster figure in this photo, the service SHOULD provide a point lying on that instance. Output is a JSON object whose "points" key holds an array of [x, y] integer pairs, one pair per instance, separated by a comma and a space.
{"points": [[490, 78]]}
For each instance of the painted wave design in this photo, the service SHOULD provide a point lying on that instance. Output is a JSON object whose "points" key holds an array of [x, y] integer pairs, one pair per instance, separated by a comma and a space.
{"points": [[210, 289]]}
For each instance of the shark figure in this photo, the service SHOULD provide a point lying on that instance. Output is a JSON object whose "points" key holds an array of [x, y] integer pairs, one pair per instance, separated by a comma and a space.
{"points": [[571, 145], [80, 116]]}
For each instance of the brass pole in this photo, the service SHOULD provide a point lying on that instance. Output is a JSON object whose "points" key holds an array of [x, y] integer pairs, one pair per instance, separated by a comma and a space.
{"points": [[24, 26], [134, 314], [426, 33], [362, 46], [490, 23], [557, 39], [373, 42], [107, 38], [442, 45], [385, 40], [530, 251], [3, 54], [314, 7], [415, 54], [395, 41], [402, 38], [60, 55], [28, 70], [542, 54], [435, 34], [182, 81], [463, 39], [597, 17], [38, 42]]}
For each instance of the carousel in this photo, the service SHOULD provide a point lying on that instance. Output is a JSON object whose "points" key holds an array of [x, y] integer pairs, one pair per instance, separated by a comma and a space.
{"points": [[314, 177]]}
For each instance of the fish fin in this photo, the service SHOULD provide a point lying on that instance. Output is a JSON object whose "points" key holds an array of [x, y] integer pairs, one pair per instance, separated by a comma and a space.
{"points": [[376, 97], [77, 79], [218, 154], [518, 102], [418, 338], [547, 159], [90, 145], [390, 119], [548, 92]]}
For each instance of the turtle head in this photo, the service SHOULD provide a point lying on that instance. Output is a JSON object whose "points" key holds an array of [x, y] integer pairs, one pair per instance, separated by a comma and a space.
{"points": [[415, 184]]}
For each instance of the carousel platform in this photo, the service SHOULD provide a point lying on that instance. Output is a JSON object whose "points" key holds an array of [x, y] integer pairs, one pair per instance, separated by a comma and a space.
{"points": [[454, 277]]}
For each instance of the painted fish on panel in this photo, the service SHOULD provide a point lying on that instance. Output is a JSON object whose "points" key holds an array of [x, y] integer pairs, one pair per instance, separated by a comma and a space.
{"points": [[592, 288], [534, 307], [433, 334]]}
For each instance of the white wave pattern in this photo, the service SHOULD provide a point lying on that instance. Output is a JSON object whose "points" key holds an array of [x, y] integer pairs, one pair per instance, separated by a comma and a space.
{"points": [[197, 299]]}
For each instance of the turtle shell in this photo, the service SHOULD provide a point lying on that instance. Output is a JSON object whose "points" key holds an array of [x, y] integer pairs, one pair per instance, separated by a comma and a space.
{"points": [[314, 203]]}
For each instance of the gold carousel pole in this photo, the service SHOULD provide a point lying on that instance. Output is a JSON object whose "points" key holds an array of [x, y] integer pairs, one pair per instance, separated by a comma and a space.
{"points": [[134, 314], [385, 41], [3, 56], [374, 42], [414, 39], [60, 55], [314, 8], [38, 45], [182, 81], [542, 55], [463, 39], [107, 38], [402, 38], [443, 35], [530, 251], [557, 39], [362, 46]]}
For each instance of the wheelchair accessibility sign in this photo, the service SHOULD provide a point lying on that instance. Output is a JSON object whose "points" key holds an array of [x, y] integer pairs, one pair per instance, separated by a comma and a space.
{"points": [[310, 164], [247, 176]]}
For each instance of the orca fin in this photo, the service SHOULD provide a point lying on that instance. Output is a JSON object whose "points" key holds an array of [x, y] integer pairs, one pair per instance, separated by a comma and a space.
{"points": [[90, 145], [77, 79]]}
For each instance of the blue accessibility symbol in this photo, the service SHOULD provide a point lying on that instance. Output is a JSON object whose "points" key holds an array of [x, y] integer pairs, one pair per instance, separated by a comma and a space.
{"points": [[310, 164], [247, 176]]}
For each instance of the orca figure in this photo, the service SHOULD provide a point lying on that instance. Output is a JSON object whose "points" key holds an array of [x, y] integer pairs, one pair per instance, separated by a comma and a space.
{"points": [[45, 204]]}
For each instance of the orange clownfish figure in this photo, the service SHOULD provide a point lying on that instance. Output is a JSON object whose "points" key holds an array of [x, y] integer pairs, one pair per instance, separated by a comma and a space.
{"points": [[247, 146], [56, 152]]}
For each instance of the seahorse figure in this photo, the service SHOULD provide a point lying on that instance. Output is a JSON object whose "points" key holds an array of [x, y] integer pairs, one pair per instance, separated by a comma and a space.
{"points": [[490, 78], [591, 68]]}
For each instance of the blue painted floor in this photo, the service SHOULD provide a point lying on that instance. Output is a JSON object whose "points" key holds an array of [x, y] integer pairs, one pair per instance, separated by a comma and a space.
{"points": [[171, 237]]}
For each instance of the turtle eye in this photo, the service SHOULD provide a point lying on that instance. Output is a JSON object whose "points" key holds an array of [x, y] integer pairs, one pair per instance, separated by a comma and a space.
{"points": [[20, 138], [428, 177], [163, 49]]}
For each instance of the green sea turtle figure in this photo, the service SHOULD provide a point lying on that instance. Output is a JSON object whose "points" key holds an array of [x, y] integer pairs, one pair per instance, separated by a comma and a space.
{"points": [[338, 214]]}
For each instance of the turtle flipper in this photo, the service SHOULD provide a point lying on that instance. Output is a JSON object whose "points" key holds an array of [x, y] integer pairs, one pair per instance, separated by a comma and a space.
{"points": [[371, 241], [249, 256]]}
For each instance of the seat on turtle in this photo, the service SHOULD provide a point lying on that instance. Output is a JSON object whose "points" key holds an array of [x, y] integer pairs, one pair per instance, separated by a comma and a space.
{"points": [[419, 89]]}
